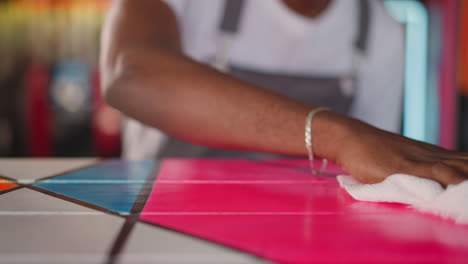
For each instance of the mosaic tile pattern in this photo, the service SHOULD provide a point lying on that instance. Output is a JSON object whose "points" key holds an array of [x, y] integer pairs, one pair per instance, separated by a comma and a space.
{"points": [[208, 211]]}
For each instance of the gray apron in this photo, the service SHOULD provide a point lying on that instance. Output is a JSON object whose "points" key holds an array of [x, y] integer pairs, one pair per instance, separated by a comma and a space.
{"points": [[335, 93]]}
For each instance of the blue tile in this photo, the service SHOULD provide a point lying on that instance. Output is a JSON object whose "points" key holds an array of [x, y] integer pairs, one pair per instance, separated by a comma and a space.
{"points": [[113, 185]]}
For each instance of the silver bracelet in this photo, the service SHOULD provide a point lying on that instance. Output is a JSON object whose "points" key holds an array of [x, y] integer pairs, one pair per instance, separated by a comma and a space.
{"points": [[308, 141]]}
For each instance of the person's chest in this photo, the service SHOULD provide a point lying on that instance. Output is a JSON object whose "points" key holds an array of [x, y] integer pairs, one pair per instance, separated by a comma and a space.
{"points": [[272, 37]]}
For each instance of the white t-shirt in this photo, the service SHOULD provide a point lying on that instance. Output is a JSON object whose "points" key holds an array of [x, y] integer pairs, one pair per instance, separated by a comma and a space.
{"points": [[273, 38]]}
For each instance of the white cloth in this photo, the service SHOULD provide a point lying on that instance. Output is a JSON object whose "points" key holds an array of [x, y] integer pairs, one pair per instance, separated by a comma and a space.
{"points": [[272, 38], [422, 194]]}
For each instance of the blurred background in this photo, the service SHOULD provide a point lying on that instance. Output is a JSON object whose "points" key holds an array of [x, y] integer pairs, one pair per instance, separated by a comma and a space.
{"points": [[50, 102]]}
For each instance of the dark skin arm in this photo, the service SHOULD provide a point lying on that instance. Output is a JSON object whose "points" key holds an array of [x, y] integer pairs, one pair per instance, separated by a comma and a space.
{"points": [[147, 77]]}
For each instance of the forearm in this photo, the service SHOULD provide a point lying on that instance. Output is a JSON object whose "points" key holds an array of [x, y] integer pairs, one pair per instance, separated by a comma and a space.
{"points": [[198, 104]]}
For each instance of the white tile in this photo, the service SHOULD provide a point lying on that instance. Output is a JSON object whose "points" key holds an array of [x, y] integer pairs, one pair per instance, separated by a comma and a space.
{"points": [[32, 169], [151, 244], [29, 201], [36, 228]]}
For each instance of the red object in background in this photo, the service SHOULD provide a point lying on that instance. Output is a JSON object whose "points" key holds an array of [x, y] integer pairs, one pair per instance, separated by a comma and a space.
{"points": [[37, 111], [448, 73], [463, 76], [106, 123], [287, 215], [463, 49]]}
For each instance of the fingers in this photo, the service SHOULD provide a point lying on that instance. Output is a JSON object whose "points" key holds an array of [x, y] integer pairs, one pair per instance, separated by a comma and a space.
{"points": [[449, 155], [446, 174], [459, 164], [462, 155]]}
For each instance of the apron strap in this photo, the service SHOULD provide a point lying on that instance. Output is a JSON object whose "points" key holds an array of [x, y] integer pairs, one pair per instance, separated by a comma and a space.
{"points": [[349, 82], [228, 28], [363, 26], [231, 16]]}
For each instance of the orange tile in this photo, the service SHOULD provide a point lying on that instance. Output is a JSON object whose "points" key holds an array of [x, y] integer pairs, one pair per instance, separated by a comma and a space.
{"points": [[5, 185]]}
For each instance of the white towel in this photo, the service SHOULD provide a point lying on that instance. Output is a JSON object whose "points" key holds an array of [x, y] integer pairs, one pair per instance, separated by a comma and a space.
{"points": [[423, 194]]}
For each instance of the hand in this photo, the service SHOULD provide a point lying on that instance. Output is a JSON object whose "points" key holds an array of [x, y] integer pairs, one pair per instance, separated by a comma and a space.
{"points": [[370, 155]]}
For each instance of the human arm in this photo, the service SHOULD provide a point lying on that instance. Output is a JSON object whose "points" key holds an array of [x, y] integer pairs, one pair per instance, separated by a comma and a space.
{"points": [[144, 63], [147, 77]]}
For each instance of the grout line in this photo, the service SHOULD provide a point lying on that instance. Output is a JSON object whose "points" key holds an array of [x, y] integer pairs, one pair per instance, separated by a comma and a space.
{"points": [[31, 186], [132, 219], [11, 189], [22, 184], [182, 213], [8, 179], [119, 181], [75, 201], [48, 213], [297, 168], [94, 163], [13, 181]]}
